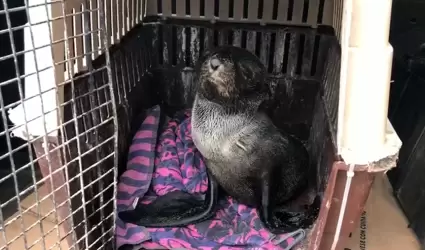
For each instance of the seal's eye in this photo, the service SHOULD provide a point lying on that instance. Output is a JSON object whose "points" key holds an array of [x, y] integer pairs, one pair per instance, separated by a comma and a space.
{"points": [[214, 63]]}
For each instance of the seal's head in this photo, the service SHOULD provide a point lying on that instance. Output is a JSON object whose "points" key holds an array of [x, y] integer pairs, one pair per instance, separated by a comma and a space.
{"points": [[230, 73]]}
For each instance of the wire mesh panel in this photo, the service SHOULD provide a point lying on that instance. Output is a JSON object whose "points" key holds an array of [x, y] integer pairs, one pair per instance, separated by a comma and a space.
{"points": [[56, 191]]}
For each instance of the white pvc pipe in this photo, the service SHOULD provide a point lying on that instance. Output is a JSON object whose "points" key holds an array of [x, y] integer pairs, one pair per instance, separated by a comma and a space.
{"points": [[366, 62]]}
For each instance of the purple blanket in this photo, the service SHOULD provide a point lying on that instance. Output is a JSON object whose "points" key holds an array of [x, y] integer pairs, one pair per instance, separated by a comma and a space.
{"points": [[156, 167]]}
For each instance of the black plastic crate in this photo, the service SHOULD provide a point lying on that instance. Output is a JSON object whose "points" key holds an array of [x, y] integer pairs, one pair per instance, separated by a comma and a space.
{"points": [[153, 64]]}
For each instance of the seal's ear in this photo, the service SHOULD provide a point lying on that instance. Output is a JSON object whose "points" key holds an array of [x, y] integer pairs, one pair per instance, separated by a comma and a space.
{"points": [[252, 69], [254, 75]]}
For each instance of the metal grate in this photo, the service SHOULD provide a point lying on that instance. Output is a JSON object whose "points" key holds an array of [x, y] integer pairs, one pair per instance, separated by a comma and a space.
{"points": [[56, 191], [61, 95]]}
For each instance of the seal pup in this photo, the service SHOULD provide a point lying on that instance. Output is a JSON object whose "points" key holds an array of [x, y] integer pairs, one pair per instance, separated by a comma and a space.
{"points": [[249, 157], [245, 153]]}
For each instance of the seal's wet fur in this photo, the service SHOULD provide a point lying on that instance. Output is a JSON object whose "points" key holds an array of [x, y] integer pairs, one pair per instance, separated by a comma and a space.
{"points": [[250, 158]]}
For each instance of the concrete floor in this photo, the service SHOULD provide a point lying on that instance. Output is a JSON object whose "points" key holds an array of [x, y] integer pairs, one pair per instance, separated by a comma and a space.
{"points": [[41, 229]]}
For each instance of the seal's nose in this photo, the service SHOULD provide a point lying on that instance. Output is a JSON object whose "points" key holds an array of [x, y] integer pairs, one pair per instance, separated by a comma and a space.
{"points": [[215, 63]]}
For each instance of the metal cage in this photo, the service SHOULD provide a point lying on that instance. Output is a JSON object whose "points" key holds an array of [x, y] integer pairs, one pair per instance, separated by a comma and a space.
{"points": [[74, 82]]}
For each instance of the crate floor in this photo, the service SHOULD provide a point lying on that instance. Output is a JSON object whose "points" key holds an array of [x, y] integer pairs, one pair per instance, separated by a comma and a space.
{"points": [[383, 224]]}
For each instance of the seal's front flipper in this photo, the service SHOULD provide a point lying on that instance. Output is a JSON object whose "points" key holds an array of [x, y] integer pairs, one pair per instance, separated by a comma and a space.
{"points": [[267, 206], [282, 219]]}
